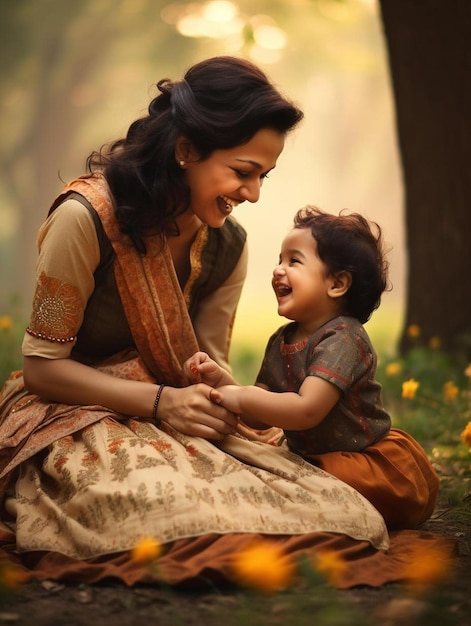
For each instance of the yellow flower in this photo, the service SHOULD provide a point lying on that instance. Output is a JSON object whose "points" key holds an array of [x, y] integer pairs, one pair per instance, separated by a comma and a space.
{"points": [[428, 566], [5, 322], [11, 576], [450, 390], [147, 550], [466, 435], [263, 566], [331, 565], [413, 331], [435, 342], [467, 371], [393, 368], [409, 387]]}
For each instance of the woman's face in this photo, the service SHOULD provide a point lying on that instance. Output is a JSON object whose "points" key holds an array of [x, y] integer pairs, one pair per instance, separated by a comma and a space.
{"points": [[231, 176]]}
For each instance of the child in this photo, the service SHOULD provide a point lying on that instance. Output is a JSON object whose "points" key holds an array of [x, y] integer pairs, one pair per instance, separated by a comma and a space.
{"points": [[317, 380]]}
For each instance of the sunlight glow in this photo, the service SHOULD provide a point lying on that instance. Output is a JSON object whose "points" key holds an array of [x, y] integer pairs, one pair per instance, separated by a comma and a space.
{"points": [[220, 19], [219, 11], [270, 37]]}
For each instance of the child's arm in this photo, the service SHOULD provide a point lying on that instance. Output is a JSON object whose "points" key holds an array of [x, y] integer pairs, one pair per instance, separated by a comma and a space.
{"points": [[288, 410], [201, 368]]}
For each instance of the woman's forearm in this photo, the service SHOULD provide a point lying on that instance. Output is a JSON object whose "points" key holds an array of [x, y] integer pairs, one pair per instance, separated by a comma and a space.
{"points": [[71, 382], [188, 409]]}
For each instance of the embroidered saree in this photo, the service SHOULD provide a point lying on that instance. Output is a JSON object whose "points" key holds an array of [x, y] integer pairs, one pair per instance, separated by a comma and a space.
{"points": [[80, 485]]}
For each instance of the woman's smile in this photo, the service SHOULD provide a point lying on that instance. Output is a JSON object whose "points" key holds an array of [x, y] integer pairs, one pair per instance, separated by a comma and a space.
{"points": [[227, 204]]}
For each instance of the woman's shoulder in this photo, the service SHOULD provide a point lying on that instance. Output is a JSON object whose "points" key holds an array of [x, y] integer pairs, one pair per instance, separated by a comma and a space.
{"points": [[70, 216]]}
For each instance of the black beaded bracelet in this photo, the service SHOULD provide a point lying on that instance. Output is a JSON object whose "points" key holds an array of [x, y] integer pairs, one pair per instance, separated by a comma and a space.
{"points": [[156, 401]]}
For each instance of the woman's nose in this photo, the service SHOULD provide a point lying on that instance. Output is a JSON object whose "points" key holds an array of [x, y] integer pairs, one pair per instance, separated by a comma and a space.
{"points": [[251, 190]]}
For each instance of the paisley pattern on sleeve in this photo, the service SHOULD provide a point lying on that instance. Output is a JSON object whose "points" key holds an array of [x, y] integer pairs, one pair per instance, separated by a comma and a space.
{"points": [[56, 310]]}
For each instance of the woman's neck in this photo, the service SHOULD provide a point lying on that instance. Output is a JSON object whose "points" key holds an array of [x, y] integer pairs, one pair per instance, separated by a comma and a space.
{"points": [[180, 245]]}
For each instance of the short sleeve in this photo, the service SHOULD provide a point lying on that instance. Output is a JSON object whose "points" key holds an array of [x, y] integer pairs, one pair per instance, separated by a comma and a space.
{"points": [[342, 357], [69, 253]]}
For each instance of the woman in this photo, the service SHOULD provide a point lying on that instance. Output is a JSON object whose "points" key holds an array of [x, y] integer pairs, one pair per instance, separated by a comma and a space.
{"points": [[140, 264]]}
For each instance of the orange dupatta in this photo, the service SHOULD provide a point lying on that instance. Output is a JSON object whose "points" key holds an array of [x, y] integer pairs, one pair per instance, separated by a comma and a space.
{"points": [[149, 290]]}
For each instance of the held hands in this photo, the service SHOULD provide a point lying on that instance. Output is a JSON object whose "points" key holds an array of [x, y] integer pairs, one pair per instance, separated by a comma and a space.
{"points": [[192, 411], [228, 396], [201, 370], [231, 397]]}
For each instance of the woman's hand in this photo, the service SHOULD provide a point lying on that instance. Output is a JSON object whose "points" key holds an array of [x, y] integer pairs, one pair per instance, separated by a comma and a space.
{"points": [[191, 411]]}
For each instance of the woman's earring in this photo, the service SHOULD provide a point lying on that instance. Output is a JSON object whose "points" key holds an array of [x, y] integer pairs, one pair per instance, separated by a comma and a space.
{"points": [[182, 163]]}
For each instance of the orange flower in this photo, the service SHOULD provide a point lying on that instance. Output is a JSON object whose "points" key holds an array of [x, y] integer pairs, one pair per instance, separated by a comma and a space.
{"points": [[409, 388], [466, 435], [147, 550], [393, 368], [428, 566], [467, 371], [413, 331], [450, 390], [331, 565], [263, 566], [5, 322], [435, 342], [11, 576]]}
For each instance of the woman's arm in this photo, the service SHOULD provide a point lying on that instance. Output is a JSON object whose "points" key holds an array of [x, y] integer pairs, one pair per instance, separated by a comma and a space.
{"points": [[288, 410], [189, 410], [68, 256]]}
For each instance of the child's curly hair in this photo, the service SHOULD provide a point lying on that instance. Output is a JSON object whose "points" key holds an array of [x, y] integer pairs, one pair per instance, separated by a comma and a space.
{"points": [[349, 242]]}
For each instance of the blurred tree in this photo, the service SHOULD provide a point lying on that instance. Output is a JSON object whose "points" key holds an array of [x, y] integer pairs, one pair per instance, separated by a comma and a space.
{"points": [[53, 55], [430, 63]]}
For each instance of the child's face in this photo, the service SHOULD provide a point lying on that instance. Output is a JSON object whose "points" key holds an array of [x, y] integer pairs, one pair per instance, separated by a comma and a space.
{"points": [[301, 282]]}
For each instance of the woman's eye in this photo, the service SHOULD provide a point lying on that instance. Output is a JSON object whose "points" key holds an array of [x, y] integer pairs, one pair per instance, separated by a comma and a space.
{"points": [[241, 174]]}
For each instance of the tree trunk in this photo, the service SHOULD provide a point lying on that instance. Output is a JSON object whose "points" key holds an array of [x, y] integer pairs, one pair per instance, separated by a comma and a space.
{"points": [[430, 65]]}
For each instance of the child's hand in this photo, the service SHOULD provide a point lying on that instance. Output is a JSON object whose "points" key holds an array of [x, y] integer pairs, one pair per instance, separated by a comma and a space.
{"points": [[271, 435], [200, 368], [190, 367], [228, 396]]}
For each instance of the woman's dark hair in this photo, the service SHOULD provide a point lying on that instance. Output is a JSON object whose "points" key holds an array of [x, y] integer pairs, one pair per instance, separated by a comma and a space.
{"points": [[221, 103], [349, 242]]}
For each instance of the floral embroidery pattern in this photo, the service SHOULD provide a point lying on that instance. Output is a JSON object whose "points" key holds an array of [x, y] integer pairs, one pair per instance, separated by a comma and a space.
{"points": [[56, 310], [122, 480]]}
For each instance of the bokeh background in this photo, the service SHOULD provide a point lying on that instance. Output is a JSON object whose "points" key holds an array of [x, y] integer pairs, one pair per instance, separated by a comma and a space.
{"points": [[75, 75]]}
